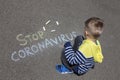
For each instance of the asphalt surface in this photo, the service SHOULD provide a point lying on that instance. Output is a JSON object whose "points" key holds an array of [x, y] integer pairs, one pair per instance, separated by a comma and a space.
{"points": [[33, 31]]}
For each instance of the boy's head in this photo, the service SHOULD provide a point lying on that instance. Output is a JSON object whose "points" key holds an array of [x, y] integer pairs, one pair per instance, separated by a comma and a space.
{"points": [[93, 27]]}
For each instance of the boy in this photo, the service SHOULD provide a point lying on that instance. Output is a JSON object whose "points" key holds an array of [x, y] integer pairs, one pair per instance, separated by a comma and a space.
{"points": [[86, 50]]}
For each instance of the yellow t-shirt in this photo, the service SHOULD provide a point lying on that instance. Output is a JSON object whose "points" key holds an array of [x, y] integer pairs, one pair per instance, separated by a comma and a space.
{"points": [[90, 49]]}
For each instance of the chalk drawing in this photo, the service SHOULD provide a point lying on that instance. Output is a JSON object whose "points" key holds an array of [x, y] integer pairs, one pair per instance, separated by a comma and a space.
{"points": [[22, 40], [48, 22], [44, 28], [57, 22], [40, 46], [53, 30], [25, 39]]}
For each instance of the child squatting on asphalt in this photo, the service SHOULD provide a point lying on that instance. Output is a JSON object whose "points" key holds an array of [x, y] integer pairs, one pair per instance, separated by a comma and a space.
{"points": [[86, 51]]}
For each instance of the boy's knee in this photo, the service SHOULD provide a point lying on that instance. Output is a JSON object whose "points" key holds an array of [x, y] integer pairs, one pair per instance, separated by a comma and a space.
{"points": [[77, 42]]}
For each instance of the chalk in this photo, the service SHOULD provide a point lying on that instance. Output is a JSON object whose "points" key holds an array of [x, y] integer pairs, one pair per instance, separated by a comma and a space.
{"points": [[28, 51], [40, 46], [55, 40], [21, 53], [44, 28], [69, 37], [25, 39], [13, 56], [63, 38], [35, 36], [53, 30], [57, 23], [34, 48], [48, 42], [47, 22]]}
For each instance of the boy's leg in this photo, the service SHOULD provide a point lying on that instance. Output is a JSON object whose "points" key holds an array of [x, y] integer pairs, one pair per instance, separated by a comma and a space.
{"points": [[64, 68], [64, 61], [77, 42]]}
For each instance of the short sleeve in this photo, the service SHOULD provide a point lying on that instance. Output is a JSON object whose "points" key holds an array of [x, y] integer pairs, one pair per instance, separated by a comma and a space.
{"points": [[85, 49], [98, 57]]}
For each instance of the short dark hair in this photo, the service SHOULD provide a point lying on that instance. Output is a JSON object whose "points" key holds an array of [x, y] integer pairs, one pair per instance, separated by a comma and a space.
{"points": [[98, 21]]}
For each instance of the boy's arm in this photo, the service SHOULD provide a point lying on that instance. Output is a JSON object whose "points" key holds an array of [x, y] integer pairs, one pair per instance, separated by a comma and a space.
{"points": [[98, 57], [73, 57], [80, 69]]}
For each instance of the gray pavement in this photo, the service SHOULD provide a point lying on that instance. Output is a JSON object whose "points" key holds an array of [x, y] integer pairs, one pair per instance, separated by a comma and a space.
{"points": [[33, 31]]}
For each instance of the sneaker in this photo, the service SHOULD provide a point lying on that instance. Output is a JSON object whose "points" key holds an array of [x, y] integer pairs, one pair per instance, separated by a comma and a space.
{"points": [[63, 70]]}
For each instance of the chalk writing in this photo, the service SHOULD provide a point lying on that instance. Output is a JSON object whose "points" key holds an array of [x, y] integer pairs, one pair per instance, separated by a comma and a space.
{"points": [[40, 46], [25, 39]]}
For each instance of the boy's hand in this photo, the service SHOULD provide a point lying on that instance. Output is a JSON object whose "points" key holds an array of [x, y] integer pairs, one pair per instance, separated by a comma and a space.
{"points": [[67, 44]]}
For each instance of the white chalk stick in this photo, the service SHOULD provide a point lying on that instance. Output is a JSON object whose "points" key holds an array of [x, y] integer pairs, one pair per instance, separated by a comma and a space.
{"points": [[44, 28], [53, 30], [57, 22], [47, 22]]}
